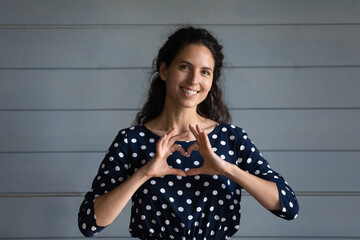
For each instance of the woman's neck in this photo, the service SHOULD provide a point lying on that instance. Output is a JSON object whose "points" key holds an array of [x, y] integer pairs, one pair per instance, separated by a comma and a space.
{"points": [[180, 120]]}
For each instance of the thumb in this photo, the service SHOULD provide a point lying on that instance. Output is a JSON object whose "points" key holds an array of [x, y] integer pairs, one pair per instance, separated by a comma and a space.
{"points": [[194, 171], [178, 172]]}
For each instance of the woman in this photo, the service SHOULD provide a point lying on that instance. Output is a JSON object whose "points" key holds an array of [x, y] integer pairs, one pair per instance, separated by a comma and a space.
{"points": [[183, 165]]}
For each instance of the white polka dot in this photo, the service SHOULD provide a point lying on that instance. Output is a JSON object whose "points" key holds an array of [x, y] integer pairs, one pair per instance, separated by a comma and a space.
{"points": [[188, 201], [242, 147], [154, 198], [148, 207], [125, 140], [141, 134], [151, 140], [83, 226], [283, 192], [197, 193], [162, 190], [214, 136], [214, 149], [188, 185], [164, 206], [170, 183], [206, 184], [232, 137], [143, 217], [245, 137], [249, 160], [223, 143], [171, 199], [198, 209], [216, 217], [190, 217], [133, 140], [178, 161], [196, 163], [151, 154], [211, 208], [222, 156], [121, 154], [291, 204], [88, 211], [221, 202], [257, 172], [215, 192], [102, 185], [145, 191], [117, 168], [143, 147], [260, 162], [151, 230], [116, 144], [180, 192], [253, 149], [113, 181], [284, 209], [181, 209], [231, 152], [111, 159]]}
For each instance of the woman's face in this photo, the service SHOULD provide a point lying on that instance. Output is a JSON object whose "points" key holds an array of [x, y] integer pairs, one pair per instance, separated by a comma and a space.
{"points": [[189, 77]]}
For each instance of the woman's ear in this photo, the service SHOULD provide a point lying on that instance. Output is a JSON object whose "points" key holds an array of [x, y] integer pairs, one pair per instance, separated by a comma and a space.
{"points": [[163, 71]]}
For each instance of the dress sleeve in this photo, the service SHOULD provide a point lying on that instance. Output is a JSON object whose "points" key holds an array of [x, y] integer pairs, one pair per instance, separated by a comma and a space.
{"points": [[252, 161], [112, 172]]}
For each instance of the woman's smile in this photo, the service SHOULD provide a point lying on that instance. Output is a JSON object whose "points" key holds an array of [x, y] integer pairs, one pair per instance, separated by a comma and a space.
{"points": [[189, 92]]}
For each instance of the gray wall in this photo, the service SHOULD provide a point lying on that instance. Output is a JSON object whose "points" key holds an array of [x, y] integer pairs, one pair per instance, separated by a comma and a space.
{"points": [[72, 73]]}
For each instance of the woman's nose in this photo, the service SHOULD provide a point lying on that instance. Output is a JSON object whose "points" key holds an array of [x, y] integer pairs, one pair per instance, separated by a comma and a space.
{"points": [[194, 77]]}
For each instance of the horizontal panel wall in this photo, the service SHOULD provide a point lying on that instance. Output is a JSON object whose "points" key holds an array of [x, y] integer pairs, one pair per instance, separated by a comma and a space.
{"points": [[72, 73], [125, 88], [44, 131], [274, 45], [200, 12]]}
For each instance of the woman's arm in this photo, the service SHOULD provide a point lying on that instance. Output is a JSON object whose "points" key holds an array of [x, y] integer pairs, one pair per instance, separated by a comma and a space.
{"points": [[280, 200]]}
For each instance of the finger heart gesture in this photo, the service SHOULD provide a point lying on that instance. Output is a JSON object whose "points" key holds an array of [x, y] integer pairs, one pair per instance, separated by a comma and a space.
{"points": [[158, 166]]}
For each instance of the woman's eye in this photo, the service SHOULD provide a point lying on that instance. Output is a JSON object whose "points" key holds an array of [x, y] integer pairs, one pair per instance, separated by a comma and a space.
{"points": [[184, 67], [207, 73]]}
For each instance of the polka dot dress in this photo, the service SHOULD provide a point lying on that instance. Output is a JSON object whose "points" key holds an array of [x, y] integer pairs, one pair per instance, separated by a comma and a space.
{"points": [[175, 207]]}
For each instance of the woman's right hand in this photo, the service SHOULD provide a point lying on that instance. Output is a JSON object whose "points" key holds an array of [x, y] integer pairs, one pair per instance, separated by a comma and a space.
{"points": [[158, 166]]}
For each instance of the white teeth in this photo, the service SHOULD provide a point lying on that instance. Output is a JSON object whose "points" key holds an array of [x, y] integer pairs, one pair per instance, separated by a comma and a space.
{"points": [[188, 91]]}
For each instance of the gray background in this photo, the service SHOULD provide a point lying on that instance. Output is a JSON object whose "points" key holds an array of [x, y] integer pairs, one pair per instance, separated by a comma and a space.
{"points": [[72, 73]]}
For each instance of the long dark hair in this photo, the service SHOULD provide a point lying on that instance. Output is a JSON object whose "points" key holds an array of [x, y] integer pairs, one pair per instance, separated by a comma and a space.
{"points": [[213, 106]]}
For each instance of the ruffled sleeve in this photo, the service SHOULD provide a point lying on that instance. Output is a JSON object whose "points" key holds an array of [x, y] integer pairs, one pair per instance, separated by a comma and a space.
{"points": [[112, 172]]}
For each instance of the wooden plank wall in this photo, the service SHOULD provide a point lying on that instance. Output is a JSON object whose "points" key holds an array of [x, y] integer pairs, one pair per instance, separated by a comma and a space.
{"points": [[72, 73]]}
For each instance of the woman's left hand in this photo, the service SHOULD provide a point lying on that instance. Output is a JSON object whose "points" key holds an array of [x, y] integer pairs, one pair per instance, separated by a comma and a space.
{"points": [[213, 164]]}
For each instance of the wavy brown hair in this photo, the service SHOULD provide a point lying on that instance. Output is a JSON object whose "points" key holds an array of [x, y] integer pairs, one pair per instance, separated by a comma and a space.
{"points": [[213, 106]]}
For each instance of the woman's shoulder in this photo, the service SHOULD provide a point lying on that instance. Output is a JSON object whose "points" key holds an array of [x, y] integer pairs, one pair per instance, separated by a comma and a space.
{"points": [[132, 131]]}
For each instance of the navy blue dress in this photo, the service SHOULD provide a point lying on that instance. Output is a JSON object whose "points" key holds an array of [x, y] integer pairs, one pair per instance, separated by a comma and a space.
{"points": [[175, 207]]}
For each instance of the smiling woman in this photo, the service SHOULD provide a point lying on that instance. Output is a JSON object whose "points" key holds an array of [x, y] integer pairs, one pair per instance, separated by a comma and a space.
{"points": [[183, 164]]}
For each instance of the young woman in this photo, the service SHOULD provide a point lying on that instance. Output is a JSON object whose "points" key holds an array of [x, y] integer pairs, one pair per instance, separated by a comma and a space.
{"points": [[183, 165]]}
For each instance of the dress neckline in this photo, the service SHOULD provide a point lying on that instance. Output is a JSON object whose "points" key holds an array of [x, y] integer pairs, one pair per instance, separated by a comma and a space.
{"points": [[190, 141]]}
